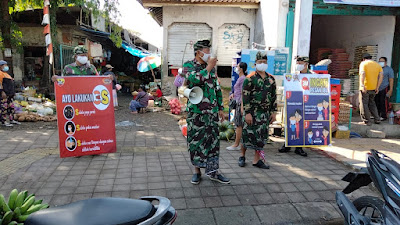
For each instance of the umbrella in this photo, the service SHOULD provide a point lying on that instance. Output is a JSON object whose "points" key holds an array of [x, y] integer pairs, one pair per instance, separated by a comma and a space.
{"points": [[149, 63]]}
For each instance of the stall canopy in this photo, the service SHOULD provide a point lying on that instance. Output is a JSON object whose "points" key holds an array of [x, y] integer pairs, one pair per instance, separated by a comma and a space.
{"points": [[132, 49]]}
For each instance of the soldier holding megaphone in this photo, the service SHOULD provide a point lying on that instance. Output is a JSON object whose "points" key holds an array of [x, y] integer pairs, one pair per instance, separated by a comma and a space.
{"points": [[205, 110]]}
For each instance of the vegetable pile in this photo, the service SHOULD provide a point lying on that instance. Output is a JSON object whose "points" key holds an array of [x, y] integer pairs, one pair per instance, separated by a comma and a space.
{"points": [[226, 130], [175, 106]]}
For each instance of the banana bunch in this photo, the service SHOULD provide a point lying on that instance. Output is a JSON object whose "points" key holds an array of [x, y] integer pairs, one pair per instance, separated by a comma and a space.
{"points": [[19, 206]]}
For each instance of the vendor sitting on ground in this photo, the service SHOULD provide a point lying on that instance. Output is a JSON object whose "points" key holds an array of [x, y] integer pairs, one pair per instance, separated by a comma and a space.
{"points": [[159, 92], [141, 100]]}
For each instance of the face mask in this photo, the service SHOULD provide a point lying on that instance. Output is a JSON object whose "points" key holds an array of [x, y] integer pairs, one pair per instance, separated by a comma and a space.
{"points": [[82, 59], [262, 67], [5, 68], [205, 56], [382, 64], [292, 121], [319, 108], [310, 135], [237, 70], [299, 67]]}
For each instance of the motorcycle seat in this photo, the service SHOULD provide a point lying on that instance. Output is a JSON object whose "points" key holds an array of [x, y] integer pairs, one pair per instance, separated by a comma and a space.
{"points": [[96, 211], [393, 167]]}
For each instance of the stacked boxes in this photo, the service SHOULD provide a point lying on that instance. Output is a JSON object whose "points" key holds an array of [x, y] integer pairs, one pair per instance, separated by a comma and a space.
{"points": [[320, 54], [360, 50], [340, 63], [355, 80]]}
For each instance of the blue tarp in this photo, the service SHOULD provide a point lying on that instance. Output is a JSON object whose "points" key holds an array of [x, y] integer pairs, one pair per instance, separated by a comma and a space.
{"points": [[131, 49], [134, 51]]}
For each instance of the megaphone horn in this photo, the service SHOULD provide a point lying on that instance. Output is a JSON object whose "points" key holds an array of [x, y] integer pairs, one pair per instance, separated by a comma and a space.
{"points": [[195, 95]]}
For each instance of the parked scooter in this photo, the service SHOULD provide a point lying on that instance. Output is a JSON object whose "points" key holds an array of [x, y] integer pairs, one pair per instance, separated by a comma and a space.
{"points": [[385, 174], [108, 211]]}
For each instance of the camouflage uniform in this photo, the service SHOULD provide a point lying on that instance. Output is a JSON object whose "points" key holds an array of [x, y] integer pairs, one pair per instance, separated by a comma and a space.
{"points": [[202, 120], [259, 96], [74, 70]]}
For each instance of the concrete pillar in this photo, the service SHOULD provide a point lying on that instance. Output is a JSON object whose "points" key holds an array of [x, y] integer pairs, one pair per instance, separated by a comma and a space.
{"points": [[271, 23], [18, 65], [164, 52], [302, 29]]}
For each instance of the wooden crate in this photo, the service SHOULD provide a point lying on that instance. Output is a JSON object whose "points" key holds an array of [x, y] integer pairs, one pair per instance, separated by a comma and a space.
{"points": [[340, 134], [344, 112]]}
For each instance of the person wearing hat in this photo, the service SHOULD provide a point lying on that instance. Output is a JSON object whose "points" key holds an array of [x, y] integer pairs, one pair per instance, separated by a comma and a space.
{"points": [[7, 91], [109, 72], [259, 106], [202, 119], [141, 100], [302, 64], [371, 76], [81, 66]]}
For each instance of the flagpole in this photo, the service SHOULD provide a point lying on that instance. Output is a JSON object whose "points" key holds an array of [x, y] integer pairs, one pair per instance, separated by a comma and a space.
{"points": [[47, 33]]}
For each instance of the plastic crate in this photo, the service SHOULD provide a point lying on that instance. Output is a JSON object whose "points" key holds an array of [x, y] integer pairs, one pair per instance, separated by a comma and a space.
{"points": [[335, 81], [321, 71], [313, 67]]}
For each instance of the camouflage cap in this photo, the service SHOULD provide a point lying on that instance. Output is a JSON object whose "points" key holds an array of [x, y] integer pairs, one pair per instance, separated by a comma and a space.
{"points": [[80, 49], [202, 44], [302, 59], [261, 55]]}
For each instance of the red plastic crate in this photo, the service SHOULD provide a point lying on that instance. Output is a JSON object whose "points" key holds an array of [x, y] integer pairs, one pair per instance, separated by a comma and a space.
{"points": [[321, 71]]}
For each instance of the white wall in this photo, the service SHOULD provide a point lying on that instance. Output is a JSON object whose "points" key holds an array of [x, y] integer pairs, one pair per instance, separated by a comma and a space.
{"points": [[302, 29], [215, 17], [270, 25], [351, 31]]}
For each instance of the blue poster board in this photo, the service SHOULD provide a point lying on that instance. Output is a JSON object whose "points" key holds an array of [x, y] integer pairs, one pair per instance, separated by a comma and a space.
{"points": [[307, 110], [277, 60]]}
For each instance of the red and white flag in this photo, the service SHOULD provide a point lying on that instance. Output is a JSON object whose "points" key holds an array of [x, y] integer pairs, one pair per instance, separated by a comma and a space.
{"points": [[46, 31]]}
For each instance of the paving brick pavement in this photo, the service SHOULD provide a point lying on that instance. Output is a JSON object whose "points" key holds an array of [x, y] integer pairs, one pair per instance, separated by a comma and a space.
{"points": [[152, 160]]}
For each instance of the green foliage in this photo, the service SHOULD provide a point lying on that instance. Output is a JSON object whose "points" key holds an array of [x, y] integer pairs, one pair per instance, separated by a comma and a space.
{"points": [[16, 37], [108, 10]]}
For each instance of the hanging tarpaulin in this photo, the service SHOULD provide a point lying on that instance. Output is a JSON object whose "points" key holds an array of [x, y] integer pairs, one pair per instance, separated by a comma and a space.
{"points": [[46, 31], [134, 51], [388, 3]]}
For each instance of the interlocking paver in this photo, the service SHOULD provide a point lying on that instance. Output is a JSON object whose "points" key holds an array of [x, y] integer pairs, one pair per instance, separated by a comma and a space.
{"points": [[148, 163], [195, 203], [248, 199], [211, 202], [242, 215]]}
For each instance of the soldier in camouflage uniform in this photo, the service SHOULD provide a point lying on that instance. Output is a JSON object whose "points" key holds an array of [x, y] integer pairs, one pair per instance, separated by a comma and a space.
{"points": [[81, 66], [302, 63], [202, 119], [259, 97]]}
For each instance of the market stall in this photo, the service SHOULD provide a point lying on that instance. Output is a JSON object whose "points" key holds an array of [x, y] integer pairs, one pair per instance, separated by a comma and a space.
{"points": [[32, 107]]}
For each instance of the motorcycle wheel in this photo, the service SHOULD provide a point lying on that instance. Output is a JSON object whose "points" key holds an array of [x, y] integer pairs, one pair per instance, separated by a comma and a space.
{"points": [[370, 207]]}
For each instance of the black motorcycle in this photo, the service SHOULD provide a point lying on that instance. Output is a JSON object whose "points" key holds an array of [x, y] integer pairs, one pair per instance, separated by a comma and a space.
{"points": [[385, 174], [108, 211]]}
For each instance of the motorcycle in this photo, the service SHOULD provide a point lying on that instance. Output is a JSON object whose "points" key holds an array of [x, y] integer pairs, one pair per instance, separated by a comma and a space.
{"points": [[108, 211], [385, 175]]}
